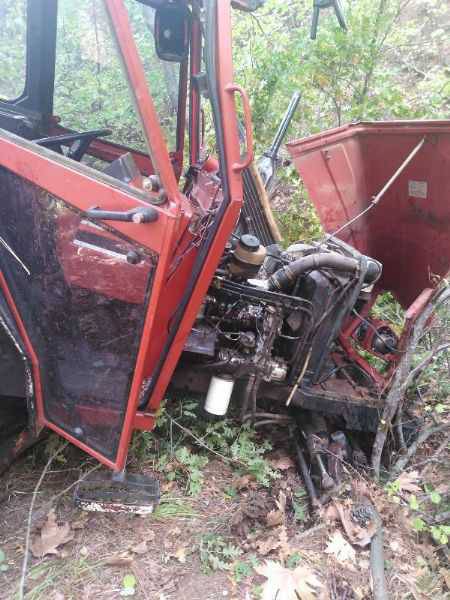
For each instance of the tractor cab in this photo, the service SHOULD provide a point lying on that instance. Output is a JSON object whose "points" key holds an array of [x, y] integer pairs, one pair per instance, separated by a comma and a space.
{"points": [[105, 253]]}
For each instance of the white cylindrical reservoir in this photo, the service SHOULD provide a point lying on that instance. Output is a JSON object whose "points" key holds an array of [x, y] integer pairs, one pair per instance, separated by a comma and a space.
{"points": [[219, 394]]}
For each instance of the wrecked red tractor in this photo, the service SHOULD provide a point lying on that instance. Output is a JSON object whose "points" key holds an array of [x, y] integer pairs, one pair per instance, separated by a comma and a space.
{"points": [[120, 279]]}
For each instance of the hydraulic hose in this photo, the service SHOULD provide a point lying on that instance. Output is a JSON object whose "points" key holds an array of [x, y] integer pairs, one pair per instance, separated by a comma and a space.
{"points": [[286, 276]]}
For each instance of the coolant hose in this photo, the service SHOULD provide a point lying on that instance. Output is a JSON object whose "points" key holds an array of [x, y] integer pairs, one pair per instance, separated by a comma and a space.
{"points": [[286, 276]]}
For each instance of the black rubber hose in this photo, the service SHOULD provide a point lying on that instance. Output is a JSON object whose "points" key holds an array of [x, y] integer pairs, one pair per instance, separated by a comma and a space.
{"points": [[286, 276]]}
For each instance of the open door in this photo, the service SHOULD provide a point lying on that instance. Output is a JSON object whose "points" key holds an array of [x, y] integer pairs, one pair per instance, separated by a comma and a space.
{"points": [[81, 290]]}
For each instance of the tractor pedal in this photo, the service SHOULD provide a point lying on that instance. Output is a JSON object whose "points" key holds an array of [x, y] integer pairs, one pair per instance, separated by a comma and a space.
{"points": [[99, 492]]}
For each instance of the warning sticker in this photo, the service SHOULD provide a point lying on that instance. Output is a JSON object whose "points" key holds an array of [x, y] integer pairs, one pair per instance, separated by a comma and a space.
{"points": [[417, 189]]}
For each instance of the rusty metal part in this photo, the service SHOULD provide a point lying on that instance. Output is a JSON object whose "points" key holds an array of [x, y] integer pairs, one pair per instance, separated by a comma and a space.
{"points": [[337, 453], [304, 471], [327, 482]]}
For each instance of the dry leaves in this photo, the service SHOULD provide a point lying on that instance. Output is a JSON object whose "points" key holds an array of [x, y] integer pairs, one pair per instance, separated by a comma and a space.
{"points": [[276, 517], [272, 543], [282, 462], [340, 548], [50, 537], [120, 560], [407, 482], [141, 548], [284, 584], [179, 554], [244, 482], [358, 535]]}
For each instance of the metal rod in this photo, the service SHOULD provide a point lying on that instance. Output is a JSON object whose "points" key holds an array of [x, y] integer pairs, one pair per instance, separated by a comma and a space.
{"points": [[384, 189], [310, 488]]}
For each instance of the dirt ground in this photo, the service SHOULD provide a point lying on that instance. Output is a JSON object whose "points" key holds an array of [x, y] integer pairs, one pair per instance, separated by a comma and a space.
{"points": [[174, 554]]}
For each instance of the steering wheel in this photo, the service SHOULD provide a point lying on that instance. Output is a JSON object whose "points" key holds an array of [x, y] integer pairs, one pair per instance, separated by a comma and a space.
{"points": [[78, 142]]}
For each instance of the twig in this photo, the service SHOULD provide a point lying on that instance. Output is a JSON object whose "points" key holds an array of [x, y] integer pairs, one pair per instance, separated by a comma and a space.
{"points": [[30, 514], [401, 376], [45, 507], [421, 438], [203, 445], [414, 374], [436, 453]]}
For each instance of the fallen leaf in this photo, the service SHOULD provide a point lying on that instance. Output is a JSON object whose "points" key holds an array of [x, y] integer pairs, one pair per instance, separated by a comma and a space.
{"points": [[80, 524], [243, 482], [180, 554], [279, 543], [274, 518], [140, 548], [120, 560], [50, 537], [406, 482], [281, 502], [282, 463], [340, 548], [446, 575], [167, 486], [149, 536], [284, 584], [330, 513], [285, 548], [267, 545], [360, 536]]}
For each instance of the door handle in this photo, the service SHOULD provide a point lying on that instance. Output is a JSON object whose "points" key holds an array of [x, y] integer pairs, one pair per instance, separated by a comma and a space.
{"points": [[232, 89], [135, 215]]}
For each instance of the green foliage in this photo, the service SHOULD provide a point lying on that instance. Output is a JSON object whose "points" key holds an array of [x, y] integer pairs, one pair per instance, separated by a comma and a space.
{"points": [[191, 465], [300, 505], [128, 585], [243, 569], [439, 532], [216, 553], [390, 64], [12, 48], [176, 452], [293, 560]]}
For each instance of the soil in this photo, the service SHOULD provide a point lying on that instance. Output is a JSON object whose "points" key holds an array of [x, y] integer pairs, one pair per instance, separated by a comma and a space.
{"points": [[162, 552]]}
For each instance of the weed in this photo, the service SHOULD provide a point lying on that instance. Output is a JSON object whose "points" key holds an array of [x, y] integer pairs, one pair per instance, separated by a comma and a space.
{"points": [[241, 570], [128, 585], [249, 452], [293, 560], [300, 505], [173, 451], [175, 508], [216, 553]]}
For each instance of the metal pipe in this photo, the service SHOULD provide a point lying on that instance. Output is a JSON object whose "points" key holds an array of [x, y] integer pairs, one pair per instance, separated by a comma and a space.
{"points": [[286, 276], [310, 488], [384, 189]]}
